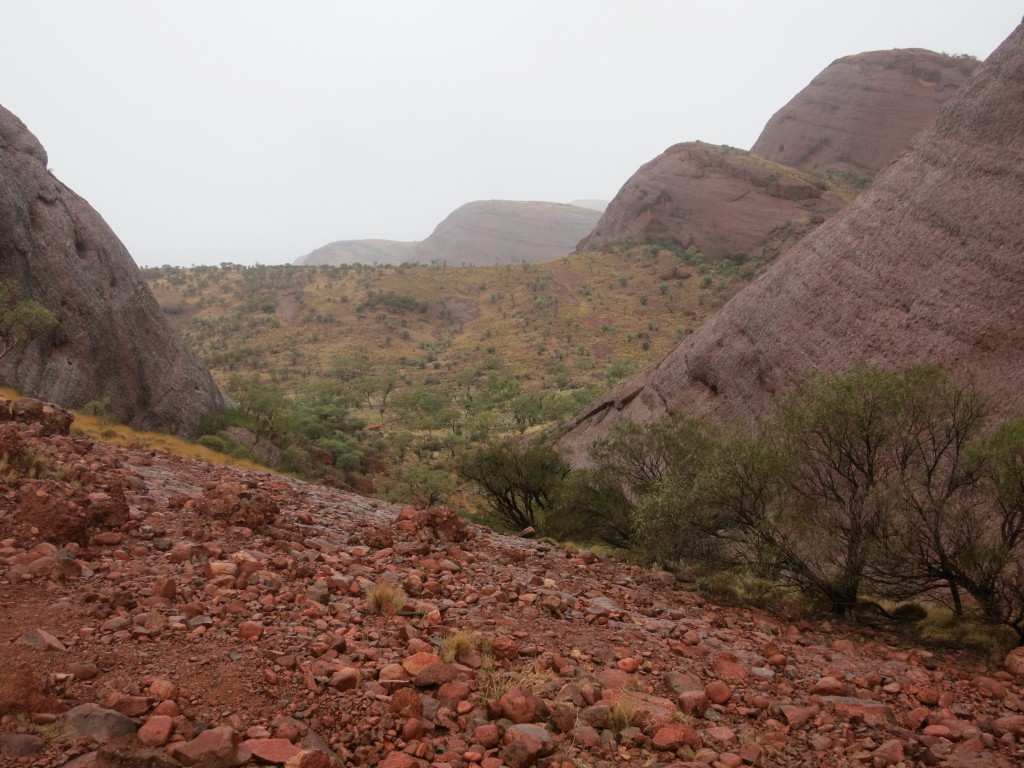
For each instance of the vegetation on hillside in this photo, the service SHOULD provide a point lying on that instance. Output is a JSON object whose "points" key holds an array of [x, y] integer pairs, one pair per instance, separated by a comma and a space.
{"points": [[870, 483], [375, 378]]}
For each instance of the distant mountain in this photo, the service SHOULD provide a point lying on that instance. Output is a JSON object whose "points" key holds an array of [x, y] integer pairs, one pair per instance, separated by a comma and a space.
{"points": [[113, 342], [597, 205], [861, 111], [716, 200], [360, 252], [481, 233], [507, 232], [926, 266]]}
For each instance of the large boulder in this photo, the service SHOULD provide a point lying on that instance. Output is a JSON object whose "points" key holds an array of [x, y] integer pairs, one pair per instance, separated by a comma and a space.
{"points": [[113, 341], [926, 266]]}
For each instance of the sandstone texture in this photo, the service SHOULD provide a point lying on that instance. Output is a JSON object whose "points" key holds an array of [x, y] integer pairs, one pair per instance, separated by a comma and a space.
{"points": [[923, 267], [862, 110], [480, 233], [185, 638], [716, 200], [113, 341]]}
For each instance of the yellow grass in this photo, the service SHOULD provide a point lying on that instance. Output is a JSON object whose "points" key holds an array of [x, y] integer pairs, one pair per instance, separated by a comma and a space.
{"points": [[102, 430]]}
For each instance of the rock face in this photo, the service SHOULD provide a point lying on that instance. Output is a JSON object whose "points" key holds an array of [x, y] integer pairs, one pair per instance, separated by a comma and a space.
{"points": [[360, 252], [862, 110], [480, 233], [113, 341], [716, 200], [923, 267]]}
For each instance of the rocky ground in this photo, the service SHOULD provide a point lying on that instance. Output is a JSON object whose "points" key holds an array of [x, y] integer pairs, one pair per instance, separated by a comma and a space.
{"points": [[158, 611]]}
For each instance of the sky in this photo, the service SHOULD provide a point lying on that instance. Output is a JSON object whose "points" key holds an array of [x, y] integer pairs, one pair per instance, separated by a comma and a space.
{"points": [[209, 131]]}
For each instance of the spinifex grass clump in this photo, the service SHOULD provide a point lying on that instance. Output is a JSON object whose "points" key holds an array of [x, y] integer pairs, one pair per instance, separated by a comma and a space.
{"points": [[383, 594]]}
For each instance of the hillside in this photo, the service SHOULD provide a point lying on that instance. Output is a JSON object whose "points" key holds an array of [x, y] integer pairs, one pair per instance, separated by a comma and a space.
{"points": [[861, 111], [211, 616], [481, 233], [720, 201], [555, 325], [111, 342], [923, 267]]}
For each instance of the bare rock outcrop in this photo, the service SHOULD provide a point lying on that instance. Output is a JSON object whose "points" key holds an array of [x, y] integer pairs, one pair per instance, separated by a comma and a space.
{"points": [[862, 110], [923, 267], [717, 200], [112, 342]]}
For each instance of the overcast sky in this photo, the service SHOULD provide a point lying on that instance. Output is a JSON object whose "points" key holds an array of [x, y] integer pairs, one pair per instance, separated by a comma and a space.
{"points": [[255, 131]]}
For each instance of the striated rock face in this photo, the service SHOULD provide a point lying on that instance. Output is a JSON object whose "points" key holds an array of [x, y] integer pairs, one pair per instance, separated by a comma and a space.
{"points": [[360, 252], [113, 341], [862, 110], [717, 200], [926, 266]]}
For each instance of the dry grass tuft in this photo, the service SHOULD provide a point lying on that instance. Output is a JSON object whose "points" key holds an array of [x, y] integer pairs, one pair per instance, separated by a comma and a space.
{"points": [[622, 715], [457, 646], [382, 594], [527, 677]]}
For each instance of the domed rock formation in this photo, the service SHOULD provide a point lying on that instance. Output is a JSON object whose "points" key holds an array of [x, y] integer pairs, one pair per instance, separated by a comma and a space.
{"points": [[480, 233], [717, 200], [506, 232], [862, 110], [360, 252], [112, 342], [926, 266]]}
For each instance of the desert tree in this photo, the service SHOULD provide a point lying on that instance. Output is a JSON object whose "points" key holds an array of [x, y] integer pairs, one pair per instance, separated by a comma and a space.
{"points": [[518, 482], [20, 319]]}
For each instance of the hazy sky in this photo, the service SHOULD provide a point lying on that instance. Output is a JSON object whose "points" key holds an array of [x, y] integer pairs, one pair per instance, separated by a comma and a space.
{"points": [[209, 131]]}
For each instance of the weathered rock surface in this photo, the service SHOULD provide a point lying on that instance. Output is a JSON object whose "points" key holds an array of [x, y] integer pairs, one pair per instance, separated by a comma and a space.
{"points": [[923, 267], [862, 110], [716, 200], [113, 341], [479, 233], [158, 667]]}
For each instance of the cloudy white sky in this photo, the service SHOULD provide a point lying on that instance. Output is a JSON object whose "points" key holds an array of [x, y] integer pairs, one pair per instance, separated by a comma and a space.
{"points": [[255, 131]]}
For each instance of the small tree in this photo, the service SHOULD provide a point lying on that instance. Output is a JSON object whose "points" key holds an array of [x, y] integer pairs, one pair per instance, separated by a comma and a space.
{"points": [[518, 483], [20, 319]]}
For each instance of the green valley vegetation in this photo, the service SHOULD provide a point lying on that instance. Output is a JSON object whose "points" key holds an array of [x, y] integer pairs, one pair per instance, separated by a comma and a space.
{"points": [[376, 378], [892, 486]]}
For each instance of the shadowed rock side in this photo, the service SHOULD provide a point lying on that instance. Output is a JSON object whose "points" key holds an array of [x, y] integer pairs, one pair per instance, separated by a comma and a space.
{"points": [[925, 266], [862, 110], [506, 232], [113, 341], [360, 252], [717, 200]]}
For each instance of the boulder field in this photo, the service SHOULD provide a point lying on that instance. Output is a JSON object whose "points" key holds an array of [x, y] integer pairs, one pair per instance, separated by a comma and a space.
{"points": [[159, 611]]}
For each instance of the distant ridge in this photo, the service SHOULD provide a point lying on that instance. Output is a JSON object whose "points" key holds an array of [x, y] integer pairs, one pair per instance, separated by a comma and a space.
{"points": [[481, 233]]}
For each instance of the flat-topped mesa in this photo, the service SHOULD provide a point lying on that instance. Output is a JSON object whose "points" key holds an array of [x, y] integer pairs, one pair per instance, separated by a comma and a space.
{"points": [[112, 341], [926, 266], [716, 200], [861, 111]]}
